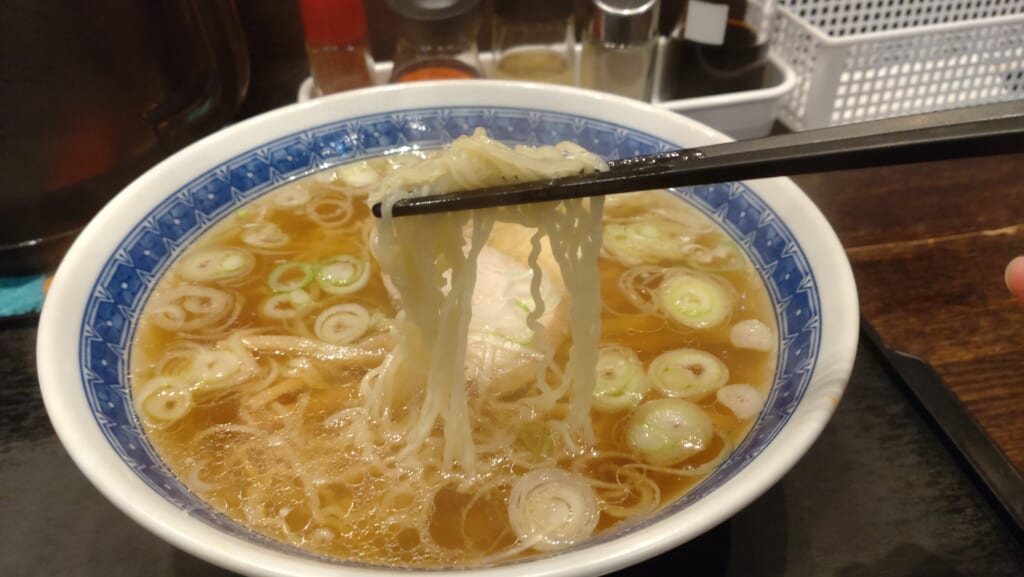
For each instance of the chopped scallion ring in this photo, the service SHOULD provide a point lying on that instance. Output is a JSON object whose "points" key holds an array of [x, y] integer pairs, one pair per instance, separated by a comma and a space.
{"points": [[698, 301], [288, 305], [343, 274], [212, 368], [687, 373], [342, 324], [163, 400], [292, 197], [621, 383], [669, 431], [743, 400], [290, 276], [216, 264], [330, 210], [752, 334], [358, 174], [724, 256], [647, 241], [264, 235], [552, 509]]}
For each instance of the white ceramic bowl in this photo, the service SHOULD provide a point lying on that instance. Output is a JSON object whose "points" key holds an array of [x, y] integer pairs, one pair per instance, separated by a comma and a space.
{"points": [[93, 305]]}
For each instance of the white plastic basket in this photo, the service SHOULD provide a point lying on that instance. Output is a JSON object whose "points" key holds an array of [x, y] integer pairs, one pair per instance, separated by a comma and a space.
{"points": [[866, 59]]}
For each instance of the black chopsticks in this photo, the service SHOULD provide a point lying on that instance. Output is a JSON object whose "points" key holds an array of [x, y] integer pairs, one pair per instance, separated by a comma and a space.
{"points": [[966, 132]]}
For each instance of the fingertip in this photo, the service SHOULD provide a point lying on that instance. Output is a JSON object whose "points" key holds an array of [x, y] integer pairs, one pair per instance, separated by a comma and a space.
{"points": [[1015, 277]]}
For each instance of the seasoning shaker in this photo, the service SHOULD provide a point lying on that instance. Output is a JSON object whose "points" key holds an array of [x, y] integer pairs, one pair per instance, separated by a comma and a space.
{"points": [[619, 47], [534, 40], [437, 40], [717, 46], [336, 44]]}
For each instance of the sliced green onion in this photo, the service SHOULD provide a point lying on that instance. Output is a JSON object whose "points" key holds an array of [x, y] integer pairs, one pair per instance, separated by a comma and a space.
{"points": [[264, 235], [287, 305], [647, 241], [358, 174], [188, 307], [211, 368], [552, 509], [332, 210], [724, 256], [743, 400], [342, 324], [687, 373], [669, 431], [752, 334], [290, 276], [163, 400], [698, 301], [621, 383], [216, 264], [291, 197], [343, 274]]}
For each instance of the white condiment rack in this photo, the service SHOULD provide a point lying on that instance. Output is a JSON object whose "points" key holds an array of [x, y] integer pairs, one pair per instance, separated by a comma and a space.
{"points": [[746, 114]]}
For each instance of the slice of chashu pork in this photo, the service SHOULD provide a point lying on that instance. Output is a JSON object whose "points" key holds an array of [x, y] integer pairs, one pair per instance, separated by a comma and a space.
{"points": [[502, 353]]}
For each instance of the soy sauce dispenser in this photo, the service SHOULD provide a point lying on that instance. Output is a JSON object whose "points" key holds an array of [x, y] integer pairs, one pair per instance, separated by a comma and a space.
{"points": [[717, 46]]}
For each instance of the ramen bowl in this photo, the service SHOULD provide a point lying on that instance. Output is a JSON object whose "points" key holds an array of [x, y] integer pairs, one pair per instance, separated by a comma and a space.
{"points": [[93, 307]]}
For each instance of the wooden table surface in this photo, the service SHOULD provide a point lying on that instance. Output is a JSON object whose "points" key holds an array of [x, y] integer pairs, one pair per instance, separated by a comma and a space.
{"points": [[928, 243]]}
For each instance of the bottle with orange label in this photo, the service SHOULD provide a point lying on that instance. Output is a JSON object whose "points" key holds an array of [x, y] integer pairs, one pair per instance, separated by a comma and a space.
{"points": [[437, 40]]}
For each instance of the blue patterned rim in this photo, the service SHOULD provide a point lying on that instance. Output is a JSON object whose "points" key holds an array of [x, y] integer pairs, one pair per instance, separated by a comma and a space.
{"points": [[138, 262]]}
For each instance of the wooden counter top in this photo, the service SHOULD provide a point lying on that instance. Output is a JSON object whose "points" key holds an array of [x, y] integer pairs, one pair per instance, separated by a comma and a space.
{"points": [[929, 244]]}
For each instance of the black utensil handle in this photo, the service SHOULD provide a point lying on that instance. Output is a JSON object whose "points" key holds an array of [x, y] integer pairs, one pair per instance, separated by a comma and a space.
{"points": [[961, 133], [967, 132], [959, 427]]}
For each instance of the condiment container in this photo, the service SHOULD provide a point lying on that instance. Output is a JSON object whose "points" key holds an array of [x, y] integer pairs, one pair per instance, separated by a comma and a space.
{"points": [[717, 46], [534, 40], [437, 39], [619, 47], [336, 44]]}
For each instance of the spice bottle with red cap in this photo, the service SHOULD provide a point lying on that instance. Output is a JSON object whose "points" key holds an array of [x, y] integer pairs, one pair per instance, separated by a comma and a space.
{"points": [[336, 44]]}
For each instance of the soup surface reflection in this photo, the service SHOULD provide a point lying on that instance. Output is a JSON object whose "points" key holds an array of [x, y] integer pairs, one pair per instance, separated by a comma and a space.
{"points": [[255, 361]]}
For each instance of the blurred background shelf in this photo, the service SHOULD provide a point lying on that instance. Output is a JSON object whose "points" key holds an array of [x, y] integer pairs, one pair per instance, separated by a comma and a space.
{"points": [[744, 114]]}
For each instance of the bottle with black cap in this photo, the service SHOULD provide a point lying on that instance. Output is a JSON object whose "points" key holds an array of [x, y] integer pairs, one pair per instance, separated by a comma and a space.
{"points": [[717, 46], [618, 47], [534, 40], [437, 39]]}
